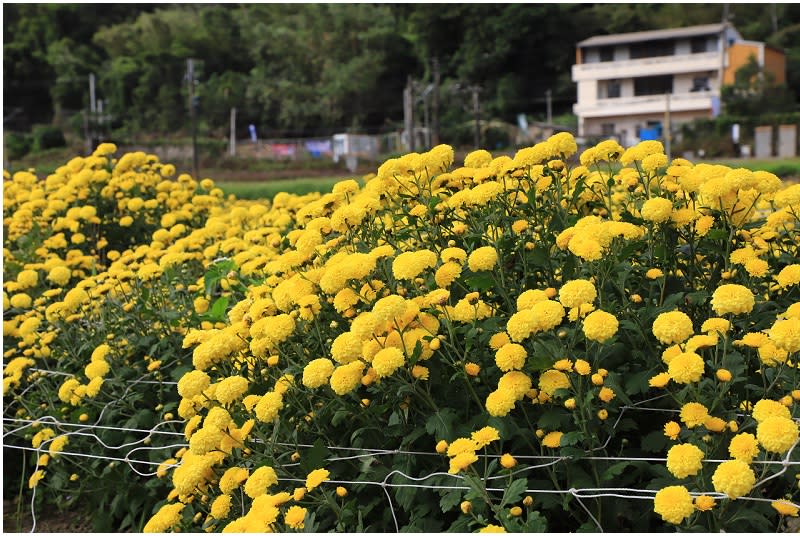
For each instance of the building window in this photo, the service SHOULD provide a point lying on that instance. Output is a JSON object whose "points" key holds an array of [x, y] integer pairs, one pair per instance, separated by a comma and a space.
{"points": [[700, 83], [651, 49], [608, 89], [699, 45], [607, 129], [614, 89], [606, 53], [652, 85]]}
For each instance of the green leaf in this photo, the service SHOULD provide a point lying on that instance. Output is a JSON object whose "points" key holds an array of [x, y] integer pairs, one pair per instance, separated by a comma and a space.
{"points": [[553, 420], [414, 357], [514, 491], [315, 457], [570, 438], [394, 419], [637, 382], [449, 500], [440, 424], [615, 470], [717, 234], [655, 441], [405, 497], [539, 256], [612, 381], [536, 522], [572, 452], [480, 281], [217, 311], [697, 298], [217, 271], [339, 416]]}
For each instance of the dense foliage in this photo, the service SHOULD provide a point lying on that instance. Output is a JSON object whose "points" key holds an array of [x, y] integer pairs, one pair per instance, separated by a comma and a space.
{"points": [[312, 69], [549, 342]]}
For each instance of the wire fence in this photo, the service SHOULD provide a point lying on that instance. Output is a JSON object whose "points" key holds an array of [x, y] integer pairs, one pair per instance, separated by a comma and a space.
{"points": [[127, 453]]}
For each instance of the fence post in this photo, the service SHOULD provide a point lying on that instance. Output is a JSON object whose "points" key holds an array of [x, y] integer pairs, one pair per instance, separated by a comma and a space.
{"points": [[233, 132]]}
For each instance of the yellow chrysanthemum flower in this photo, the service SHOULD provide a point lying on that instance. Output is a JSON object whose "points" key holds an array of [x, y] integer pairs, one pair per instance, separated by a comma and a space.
{"points": [[672, 327], [684, 460], [673, 504], [733, 299], [734, 478]]}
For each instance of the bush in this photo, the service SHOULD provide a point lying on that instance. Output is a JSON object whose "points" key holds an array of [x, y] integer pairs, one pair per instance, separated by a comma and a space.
{"points": [[539, 343], [714, 135], [17, 145], [496, 138], [47, 137]]}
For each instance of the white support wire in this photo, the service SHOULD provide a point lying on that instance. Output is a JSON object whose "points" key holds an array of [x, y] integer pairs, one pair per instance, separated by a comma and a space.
{"points": [[48, 419], [414, 482], [57, 373], [86, 427], [126, 459]]}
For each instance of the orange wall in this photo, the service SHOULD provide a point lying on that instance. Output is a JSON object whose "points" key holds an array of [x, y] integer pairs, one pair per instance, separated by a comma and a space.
{"points": [[775, 63], [738, 54]]}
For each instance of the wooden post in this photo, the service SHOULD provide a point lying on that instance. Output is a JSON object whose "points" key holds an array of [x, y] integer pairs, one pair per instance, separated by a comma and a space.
{"points": [[435, 112], [408, 107], [193, 114], [476, 109], [233, 132]]}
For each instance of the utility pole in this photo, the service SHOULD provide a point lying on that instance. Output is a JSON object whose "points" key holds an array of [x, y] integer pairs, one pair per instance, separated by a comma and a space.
{"points": [[91, 119], [408, 108], [723, 52], [426, 119], [667, 131], [774, 18], [193, 114], [92, 101], [476, 109], [233, 132], [436, 81], [549, 96]]}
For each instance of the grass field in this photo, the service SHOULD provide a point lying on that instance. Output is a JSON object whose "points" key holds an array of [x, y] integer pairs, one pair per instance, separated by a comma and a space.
{"points": [[268, 190], [786, 168], [782, 167], [46, 163]]}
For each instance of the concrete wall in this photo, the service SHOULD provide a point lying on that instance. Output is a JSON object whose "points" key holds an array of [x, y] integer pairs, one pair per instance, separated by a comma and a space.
{"points": [[763, 142], [629, 124], [787, 141]]}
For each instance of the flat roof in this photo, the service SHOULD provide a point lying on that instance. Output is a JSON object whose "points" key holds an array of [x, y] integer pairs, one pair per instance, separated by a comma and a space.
{"points": [[652, 35]]}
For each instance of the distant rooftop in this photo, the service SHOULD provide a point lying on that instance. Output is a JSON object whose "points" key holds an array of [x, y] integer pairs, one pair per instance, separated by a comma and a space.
{"points": [[652, 35]]}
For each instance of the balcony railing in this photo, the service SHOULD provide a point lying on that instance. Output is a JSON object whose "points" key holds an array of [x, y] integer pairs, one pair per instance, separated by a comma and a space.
{"points": [[685, 63], [679, 102]]}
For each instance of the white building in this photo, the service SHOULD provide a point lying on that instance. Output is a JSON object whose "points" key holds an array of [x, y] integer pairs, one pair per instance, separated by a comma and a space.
{"points": [[627, 82]]}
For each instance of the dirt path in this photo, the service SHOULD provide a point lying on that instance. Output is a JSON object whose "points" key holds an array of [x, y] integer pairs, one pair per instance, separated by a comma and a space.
{"points": [[49, 521]]}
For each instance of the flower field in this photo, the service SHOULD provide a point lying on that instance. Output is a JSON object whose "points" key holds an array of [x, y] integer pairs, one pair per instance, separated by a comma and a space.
{"points": [[550, 342]]}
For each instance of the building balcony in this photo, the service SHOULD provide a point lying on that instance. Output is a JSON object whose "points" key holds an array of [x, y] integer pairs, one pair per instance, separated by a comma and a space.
{"points": [[686, 63], [650, 104]]}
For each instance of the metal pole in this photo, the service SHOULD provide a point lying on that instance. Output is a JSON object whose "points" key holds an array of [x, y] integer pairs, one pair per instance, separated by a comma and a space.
{"points": [[667, 130], [233, 132], [87, 133], [92, 102], [549, 95], [193, 114], [91, 120], [476, 108], [408, 107], [427, 124], [436, 80]]}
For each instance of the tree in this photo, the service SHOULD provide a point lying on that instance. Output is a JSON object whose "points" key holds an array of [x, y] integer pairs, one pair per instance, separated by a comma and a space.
{"points": [[754, 92]]}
